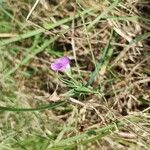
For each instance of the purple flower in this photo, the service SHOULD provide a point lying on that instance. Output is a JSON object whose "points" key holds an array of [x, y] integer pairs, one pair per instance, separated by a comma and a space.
{"points": [[61, 64]]}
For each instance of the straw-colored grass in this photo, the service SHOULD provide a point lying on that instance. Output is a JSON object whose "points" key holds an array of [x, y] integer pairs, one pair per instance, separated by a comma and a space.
{"points": [[104, 104]]}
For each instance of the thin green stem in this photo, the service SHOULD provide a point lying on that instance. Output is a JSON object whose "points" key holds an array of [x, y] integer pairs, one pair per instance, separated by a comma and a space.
{"points": [[49, 106]]}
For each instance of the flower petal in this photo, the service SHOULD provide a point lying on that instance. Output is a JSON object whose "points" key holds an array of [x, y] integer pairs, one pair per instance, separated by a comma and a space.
{"points": [[61, 64], [64, 60]]}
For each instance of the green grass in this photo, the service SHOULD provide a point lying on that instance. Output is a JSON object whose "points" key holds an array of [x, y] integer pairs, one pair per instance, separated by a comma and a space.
{"points": [[104, 102]]}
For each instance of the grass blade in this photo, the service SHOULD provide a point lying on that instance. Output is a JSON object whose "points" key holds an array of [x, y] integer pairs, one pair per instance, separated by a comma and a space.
{"points": [[92, 135], [49, 106], [38, 31], [112, 6], [103, 62], [26, 59], [11, 16], [89, 134], [134, 41]]}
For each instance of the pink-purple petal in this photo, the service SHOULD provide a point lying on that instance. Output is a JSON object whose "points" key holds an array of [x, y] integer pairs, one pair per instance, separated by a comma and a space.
{"points": [[61, 64], [64, 60]]}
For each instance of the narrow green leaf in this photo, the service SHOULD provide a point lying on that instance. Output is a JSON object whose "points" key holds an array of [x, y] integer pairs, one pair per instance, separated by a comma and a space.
{"points": [[27, 58], [86, 137], [108, 51], [134, 41], [104, 13], [10, 15], [93, 135], [38, 31], [49, 106]]}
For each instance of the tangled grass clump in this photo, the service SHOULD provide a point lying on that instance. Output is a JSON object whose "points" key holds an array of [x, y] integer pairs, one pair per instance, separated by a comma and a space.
{"points": [[101, 101]]}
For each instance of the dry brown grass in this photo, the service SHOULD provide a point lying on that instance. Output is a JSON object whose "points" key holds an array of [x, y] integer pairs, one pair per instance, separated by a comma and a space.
{"points": [[122, 86]]}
